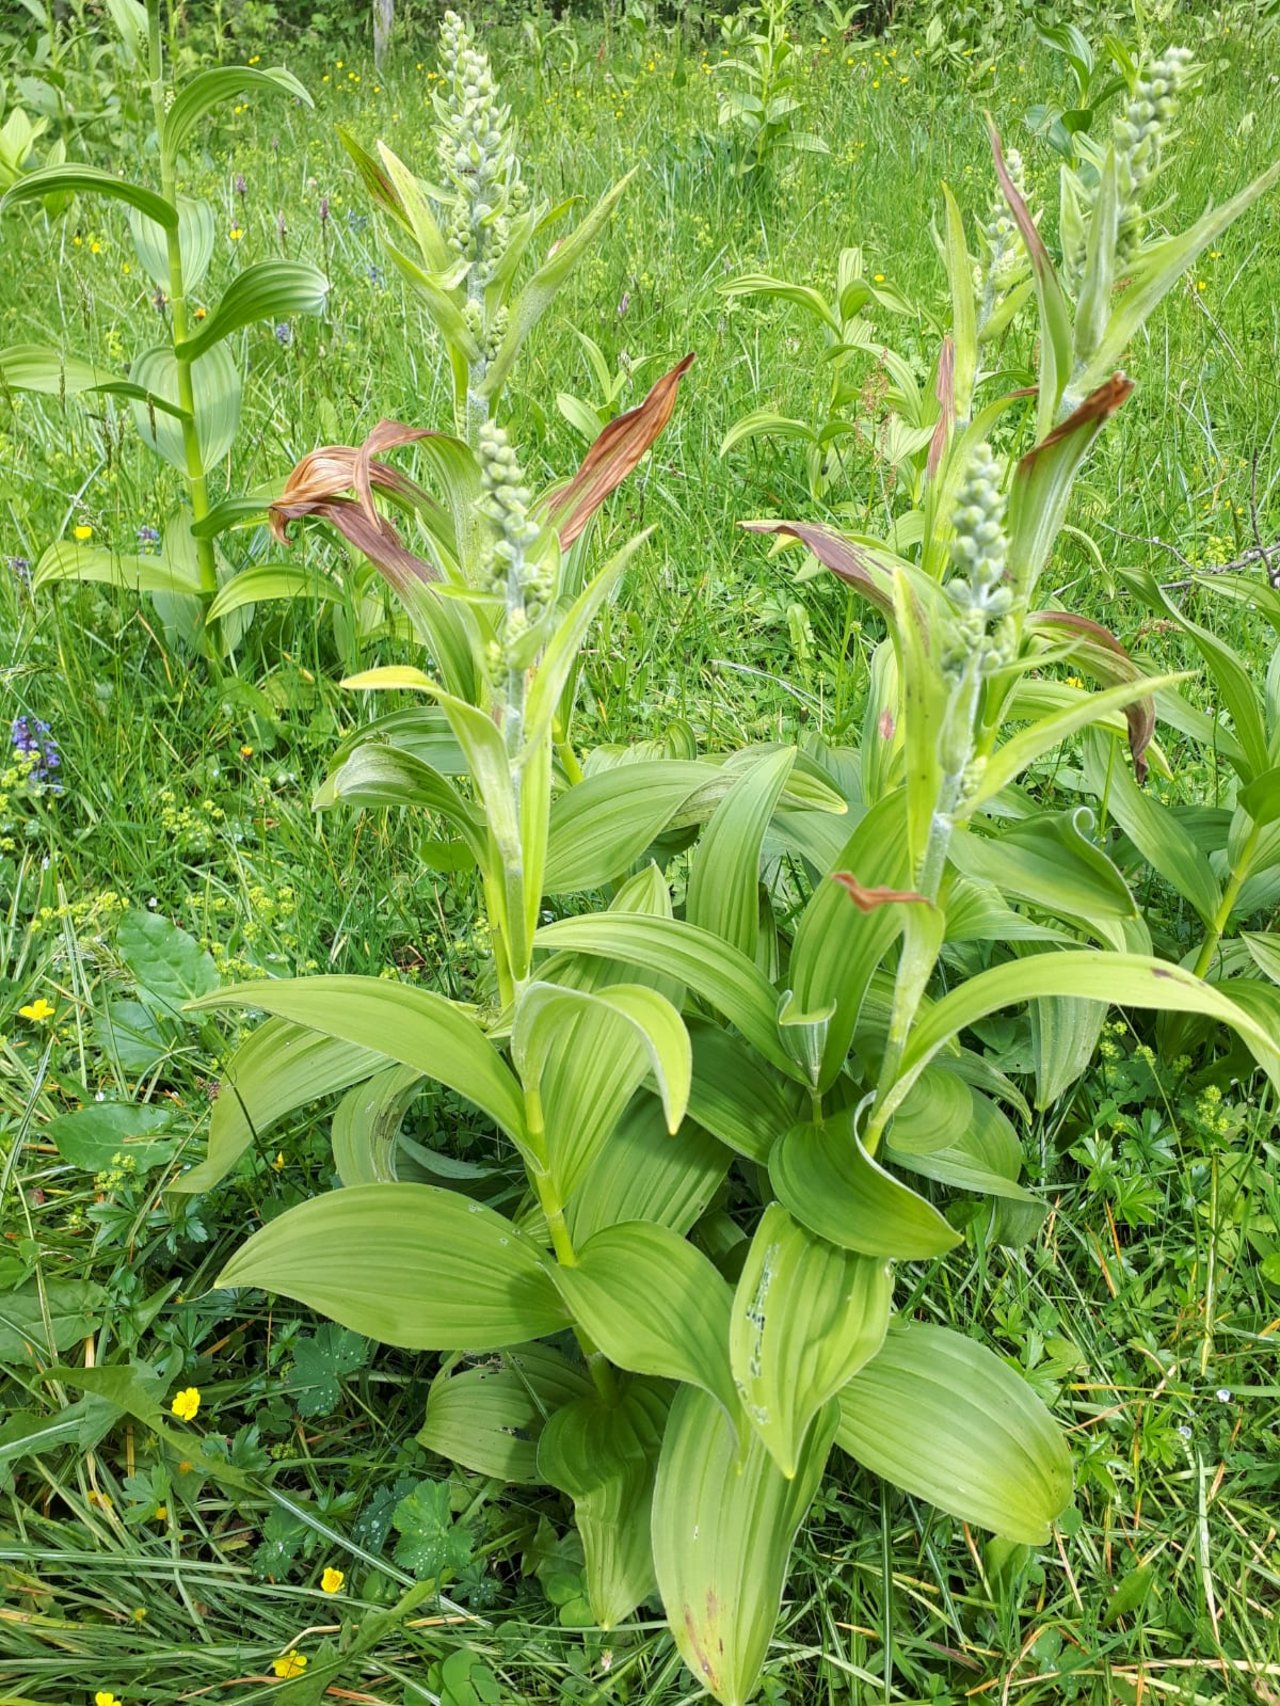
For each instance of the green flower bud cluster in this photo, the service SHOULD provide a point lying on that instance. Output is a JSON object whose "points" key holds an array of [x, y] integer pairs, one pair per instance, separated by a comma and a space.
{"points": [[979, 593], [476, 152], [523, 584], [1138, 134], [1006, 259], [487, 330]]}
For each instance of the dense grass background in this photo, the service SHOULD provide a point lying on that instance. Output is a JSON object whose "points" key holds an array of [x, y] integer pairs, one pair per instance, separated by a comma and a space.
{"points": [[1147, 1311]]}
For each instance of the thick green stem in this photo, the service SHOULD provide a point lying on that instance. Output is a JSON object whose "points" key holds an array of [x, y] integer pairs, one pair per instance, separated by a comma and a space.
{"points": [[197, 485], [1229, 897]]}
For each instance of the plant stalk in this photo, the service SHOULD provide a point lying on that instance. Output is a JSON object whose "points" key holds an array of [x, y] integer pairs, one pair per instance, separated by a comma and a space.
{"points": [[1229, 897]]}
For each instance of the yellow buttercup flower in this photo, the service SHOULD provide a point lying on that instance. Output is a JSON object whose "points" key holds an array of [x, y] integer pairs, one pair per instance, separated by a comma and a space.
{"points": [[104, 1697], [82, 532], [37, 1011], [236, 233], [186, 1404], [331, 1581], [289, 1664]]}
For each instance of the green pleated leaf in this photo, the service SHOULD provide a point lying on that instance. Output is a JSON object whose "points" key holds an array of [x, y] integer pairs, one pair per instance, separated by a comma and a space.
{"points": [[985, 1156], [1049, 860], [197, 228], [414, 1026], [724, 868], [32, 367], [375, 773], [70, 561], [654, 1305], [213, 88], [268, 290], [946, 1420], [936, 1112], [604, 823], [409, 1265], [280, 1067], [366, 1126], [604, 1456], [266, 583], [736, 1095], [732, 983], [89, 180], [806, 1316], [1264, 951], [829, 1182], [489, 1419], [643, 1173], [723, 1529], [216, 386]]}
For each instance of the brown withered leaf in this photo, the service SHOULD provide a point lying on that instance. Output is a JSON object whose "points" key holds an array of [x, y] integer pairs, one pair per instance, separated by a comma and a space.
{"points": [[869, 899], [614, 454], [1101, 655], [318, 486], [1018, 208], [852, 562], [1097, 407], [946, 397]]}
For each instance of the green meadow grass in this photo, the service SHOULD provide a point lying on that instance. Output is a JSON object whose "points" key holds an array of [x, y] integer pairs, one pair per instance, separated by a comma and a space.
{"points": [[1148, 1310]]}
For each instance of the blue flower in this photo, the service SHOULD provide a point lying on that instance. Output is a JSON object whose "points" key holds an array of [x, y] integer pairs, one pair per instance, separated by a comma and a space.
{"points": [[22, 569], [148, 536], [32, 739], [284, 334]]}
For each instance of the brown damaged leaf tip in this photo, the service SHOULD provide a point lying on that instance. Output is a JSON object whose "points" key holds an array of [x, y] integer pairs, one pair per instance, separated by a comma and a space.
{"points": [[1100, 654], [1097, 407], [844, 557], [614, 454], [869, 899]]}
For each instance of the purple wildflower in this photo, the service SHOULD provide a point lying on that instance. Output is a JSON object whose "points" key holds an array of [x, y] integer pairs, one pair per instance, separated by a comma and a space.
{"points": [[241, 188], [21, 569], [32, 739], [284, 334], [148, 536], [375, 275], [324, 207]]}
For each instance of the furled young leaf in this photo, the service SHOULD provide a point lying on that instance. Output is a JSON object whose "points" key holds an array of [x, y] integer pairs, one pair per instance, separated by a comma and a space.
{"points": [[415, 1026], [268, 290], [831, 1185], [985, 1156], [604, 1456], [212, 88], [366, 1125], [964, 325], [948, 1421], [376, 773], [806, 1316], [724, 868], [489, 1418], [280, 1067], [723, 1529], [653, 1304], [409, 1265]]}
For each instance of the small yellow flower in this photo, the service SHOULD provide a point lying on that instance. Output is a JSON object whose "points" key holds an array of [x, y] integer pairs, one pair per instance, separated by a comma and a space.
{"points": [[39, 1012], [236, 233], [104, 1697], [254, 58], [278, 1163], [246, 752], [83, 532], [202, 313], [879, 278], [331, 1581], [1200, 284], [95, 248], [186, 1404], [289, 1664], [162, 1513]]}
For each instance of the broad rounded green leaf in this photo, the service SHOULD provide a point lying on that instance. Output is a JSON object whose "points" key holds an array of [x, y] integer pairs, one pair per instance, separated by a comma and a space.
{"points": [[410, 1265], [209, 89], [1049, 860], [829, 1182], [90, 180], [603, 824], [94, 1135], [32, 367], [166, 960], [197, 228], [938, 1111], [654, 1305], [723, 1529], [643, 1173], [488, 1419], [264, 583], [737, 1096], [724, 868], [216, 388], [417, 1027], [69, 561], [604, 1457], [984, 1156], [806, 1316], [948, 1421], [268, 290], [280, 1067]]}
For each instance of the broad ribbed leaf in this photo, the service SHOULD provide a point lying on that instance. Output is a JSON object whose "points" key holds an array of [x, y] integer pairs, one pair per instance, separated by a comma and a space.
{"points": [[89, 180], [723, 1529], [722, 976], [216, 386], [724, 868], [375, 773], [268, 290], [604, 1457], [985, 1156], [409, 1265], [1049, 860], [603, 824], [937, 1112], [197, 228], [489, 1419], [265, 583], [829, 1182], [653, 1304], [210, 89], [69, 561], [32, 367], [806, 1316], [279, 1068], [414, 1026], [643, 1173], [736, 1096], [948, 1421], [366, 1125]]}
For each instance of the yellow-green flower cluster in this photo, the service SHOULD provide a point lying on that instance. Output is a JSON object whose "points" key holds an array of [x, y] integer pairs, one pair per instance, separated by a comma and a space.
{"points": [[1004, 260], [1138, 133], [476, 152]]}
